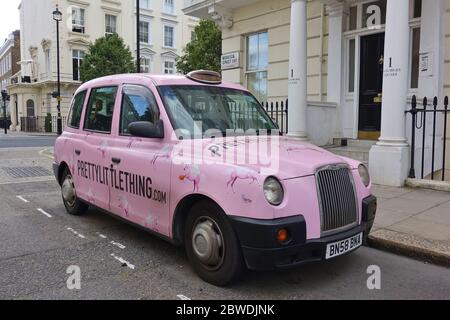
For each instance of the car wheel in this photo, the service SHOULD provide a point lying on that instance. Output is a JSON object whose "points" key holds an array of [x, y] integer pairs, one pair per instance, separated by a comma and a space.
{"points": [[211, 244], [72, 203]]}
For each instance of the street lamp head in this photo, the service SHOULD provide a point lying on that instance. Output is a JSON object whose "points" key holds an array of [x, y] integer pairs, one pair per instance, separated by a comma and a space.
{"points": [[57, 15]]}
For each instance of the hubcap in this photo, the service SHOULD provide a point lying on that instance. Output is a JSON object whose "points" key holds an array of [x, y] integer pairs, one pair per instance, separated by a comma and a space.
{"points": [[68, 191], [207, 242]]}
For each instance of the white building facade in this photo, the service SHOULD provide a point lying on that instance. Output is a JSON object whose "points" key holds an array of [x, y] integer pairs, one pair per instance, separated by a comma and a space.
{"points": [[348, 67], [164, 31]]}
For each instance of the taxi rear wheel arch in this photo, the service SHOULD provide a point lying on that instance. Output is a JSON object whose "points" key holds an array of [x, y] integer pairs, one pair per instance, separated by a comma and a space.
{"points": [[62, 169], [78, 207]]}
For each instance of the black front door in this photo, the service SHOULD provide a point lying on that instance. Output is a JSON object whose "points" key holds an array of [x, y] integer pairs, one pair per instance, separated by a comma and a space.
{"points": [[371, 85]]}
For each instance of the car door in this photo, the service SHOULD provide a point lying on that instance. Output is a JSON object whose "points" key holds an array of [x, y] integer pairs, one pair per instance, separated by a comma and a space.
{"points": [[92, 149], [73, 137], [141, 183]]}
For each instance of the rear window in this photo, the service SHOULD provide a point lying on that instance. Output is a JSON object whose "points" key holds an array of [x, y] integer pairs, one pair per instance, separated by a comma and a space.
{"points": [[76, 110], [100, 110]]}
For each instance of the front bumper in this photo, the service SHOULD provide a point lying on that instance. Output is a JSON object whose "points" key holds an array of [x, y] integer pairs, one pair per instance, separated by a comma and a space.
{"points": [[262, 252]]}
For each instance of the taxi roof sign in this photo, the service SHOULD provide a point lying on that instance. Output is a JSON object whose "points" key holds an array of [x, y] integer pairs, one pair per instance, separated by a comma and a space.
{"points": [[205, 76]]}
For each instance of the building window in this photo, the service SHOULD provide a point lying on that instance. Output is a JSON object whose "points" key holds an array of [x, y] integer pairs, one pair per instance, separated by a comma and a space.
{"points": [[168, 36], [146, 64], [415, 58], [169, 66], [351, 65], [144, 4], [353, 18], [78, 20], [30, 108], [193, 35], [110, 24], [169, 6], [374, 13], [144, 32], [417, 12], [257, 63], [77, 58]]}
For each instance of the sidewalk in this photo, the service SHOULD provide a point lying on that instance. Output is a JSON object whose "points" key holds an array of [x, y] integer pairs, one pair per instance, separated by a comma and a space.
{"points": [[414, 222], [27, 134]]}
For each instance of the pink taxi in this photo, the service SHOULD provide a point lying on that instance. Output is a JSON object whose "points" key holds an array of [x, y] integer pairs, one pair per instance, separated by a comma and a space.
{"points": [[199, 162]]}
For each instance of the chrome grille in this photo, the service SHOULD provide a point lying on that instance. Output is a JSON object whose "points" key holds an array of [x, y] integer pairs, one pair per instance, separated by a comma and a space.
{"points": [[337, 198]]}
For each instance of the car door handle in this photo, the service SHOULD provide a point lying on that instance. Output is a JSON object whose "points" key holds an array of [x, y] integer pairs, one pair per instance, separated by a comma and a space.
{"points": [[116, 160], [77, 152]]}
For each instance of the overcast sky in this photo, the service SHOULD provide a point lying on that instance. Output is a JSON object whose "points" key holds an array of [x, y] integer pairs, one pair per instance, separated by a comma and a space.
{"points": [[9, 18]]}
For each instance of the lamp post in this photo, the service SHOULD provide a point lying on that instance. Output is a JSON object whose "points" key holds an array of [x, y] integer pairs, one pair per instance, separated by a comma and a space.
{"points": [[57, 16], [5, 97], [138, 41]]}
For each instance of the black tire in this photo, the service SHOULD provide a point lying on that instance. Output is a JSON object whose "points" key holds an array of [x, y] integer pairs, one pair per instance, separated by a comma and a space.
{"points": [[232, 262], [74, 207]]}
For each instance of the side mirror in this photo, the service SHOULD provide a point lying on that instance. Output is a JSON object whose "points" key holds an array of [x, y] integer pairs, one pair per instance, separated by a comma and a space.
{"points": [[144, 129]]}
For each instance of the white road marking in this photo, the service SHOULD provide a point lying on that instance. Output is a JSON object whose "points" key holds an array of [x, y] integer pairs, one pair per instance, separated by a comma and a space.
{"points": [[183, 297], [102, 236], [23, 199], [48, 215], [42, 153], [76, 233], [117, 244], [123, 261]]}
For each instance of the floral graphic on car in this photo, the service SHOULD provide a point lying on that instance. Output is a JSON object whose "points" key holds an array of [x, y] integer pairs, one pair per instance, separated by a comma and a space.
{"points": [[132, 141], [164, 153], [241, 174], [191, 174], [102, 148], [90, 196], [245, 199], [152, 223], [124, 206]]}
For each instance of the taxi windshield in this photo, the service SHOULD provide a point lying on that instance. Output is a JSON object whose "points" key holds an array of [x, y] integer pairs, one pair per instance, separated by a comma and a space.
{"points": [[203, 109]]}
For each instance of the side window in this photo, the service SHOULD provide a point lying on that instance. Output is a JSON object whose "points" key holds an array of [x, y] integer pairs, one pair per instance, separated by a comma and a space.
{"points": [[138, 104], [76, 110], [100, 109]]}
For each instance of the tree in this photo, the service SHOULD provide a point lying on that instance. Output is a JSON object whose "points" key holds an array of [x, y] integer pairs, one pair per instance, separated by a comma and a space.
{"points": [[107, 56], [204, 51]]}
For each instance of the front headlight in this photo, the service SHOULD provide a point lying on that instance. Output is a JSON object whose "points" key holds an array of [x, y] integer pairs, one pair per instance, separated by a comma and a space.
{"points": [[364, 174], [273, 191]]}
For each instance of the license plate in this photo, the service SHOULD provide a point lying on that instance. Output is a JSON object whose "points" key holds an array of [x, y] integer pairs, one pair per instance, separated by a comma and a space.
{"points": [[338, 248]]}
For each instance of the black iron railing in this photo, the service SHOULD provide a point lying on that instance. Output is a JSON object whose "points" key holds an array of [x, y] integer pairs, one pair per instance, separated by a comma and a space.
{"points": [[278, 111], [2, 123], [47, 124], [421, 125]]}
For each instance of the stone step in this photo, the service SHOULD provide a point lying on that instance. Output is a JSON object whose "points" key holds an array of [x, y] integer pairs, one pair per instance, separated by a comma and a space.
{"points": [[356, 153], [361, 143]]}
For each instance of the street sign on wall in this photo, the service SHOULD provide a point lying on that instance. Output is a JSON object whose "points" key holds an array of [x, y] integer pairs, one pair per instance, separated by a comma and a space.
{"points": [[230, 60]]}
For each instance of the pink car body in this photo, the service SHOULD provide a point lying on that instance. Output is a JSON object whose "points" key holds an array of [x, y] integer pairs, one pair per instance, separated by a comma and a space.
{"points": [[105, 165]]}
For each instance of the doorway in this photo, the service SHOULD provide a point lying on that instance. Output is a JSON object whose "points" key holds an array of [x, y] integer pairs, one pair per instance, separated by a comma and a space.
{"points": [[371, 86]]}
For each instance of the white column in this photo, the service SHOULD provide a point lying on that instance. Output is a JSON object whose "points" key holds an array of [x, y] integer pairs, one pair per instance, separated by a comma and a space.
{"points": [[389, 158], [297, 70], [12, 112], [336, 20], [20, 110]]}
